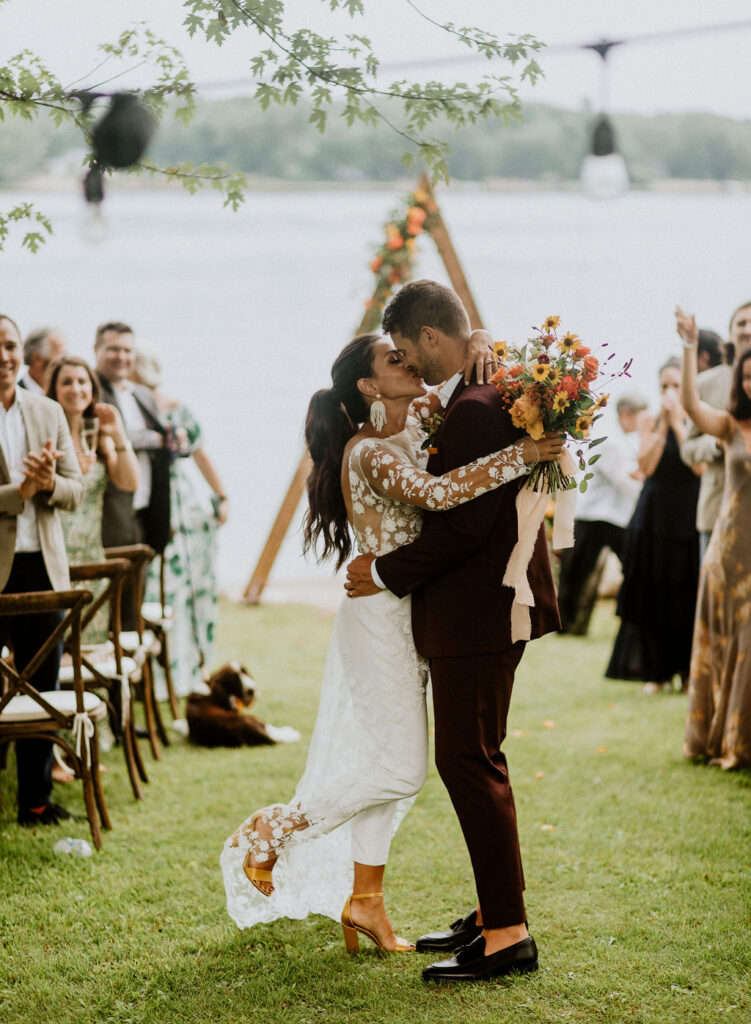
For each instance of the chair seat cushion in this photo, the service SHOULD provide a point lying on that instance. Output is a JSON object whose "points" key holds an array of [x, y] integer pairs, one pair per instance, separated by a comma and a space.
{"points": [[153, 612], [129, 640], [107, 667], [25, 709]]}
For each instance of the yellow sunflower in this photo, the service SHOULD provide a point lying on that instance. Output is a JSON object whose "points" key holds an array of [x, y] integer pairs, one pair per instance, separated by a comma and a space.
{"points": [[569, 341], [556, 376], [500, 348], [541, 371], [602, 401], [551, 323], [583, 425], [561, 401]]}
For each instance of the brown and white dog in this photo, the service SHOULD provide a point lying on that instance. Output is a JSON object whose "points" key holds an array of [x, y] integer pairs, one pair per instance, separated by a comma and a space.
{"points": [[218, 718]]}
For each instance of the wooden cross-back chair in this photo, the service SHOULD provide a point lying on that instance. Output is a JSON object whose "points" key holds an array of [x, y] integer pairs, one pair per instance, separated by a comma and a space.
{"points": [[141, 644], [158, 616], [27, 713], [104, 667]]}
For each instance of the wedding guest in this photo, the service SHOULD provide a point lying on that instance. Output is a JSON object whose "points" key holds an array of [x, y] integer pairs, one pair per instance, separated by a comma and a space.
{"points": [[190, 555], [39, 475], [718, 725], [111, 459], [143, 517], [40, 348], [701, 449], [709, 350], [660, 552], [602, 514]]}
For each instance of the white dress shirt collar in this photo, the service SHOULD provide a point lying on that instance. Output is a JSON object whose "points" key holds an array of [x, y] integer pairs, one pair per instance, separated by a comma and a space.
{"points": [[446, 390]]}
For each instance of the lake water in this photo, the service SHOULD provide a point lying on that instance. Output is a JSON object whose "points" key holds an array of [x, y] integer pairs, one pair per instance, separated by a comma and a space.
{"points": [[246, 311]]}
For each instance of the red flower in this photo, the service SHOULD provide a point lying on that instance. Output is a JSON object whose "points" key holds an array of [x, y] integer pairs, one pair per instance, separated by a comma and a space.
{"points": [[543, 358], [570, 386]]}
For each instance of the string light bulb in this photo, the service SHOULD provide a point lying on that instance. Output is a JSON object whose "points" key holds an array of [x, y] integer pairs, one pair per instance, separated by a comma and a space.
{"points": [[604, 174]]}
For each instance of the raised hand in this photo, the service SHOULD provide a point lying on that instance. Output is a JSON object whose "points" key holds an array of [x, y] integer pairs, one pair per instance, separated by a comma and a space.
{"points": [[686, 327], [481, 357]]}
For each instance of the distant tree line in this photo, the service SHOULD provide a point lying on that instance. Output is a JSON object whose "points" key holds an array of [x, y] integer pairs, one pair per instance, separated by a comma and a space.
{"points": [[278, 144]]}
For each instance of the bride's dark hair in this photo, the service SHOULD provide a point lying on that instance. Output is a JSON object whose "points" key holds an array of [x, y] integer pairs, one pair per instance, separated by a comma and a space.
{"points": [[334, 415]]}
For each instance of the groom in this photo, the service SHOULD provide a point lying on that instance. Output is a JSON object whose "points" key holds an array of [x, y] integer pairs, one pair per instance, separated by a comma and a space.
{"points": [[461, 621]]}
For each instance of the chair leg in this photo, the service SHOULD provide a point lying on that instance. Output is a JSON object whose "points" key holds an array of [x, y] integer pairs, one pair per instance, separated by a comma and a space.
{"points": [[167, 667], [138, 760], [147, 695], [159, 721], [96, 773], [90, 801]]}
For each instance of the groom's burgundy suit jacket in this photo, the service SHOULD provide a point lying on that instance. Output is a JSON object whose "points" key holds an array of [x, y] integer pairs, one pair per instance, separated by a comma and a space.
{"points": [[454, 569]]}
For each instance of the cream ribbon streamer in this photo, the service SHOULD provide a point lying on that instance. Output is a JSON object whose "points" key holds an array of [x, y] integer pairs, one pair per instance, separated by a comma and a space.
{"points": [[530, 512], [83, 732]]}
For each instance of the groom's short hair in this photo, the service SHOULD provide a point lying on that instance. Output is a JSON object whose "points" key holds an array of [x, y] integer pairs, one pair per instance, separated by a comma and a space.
{"points": [[425, 304]]}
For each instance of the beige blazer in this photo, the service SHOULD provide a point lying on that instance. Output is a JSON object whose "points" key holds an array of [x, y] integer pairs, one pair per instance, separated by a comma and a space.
{"points": [[714, 388], [42, 419]]}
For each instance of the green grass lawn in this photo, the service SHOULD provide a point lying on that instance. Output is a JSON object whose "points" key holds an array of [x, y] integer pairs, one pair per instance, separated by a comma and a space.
{"points": [[637, 866]]}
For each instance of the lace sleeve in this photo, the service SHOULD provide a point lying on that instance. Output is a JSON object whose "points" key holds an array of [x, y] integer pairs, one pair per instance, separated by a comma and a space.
{"points": [[395, 477], [424, 407]]}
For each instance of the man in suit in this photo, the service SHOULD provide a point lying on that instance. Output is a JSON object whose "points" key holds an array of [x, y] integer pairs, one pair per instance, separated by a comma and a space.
{"points": [[40, 348], [143, 516], [39, 474], [461, 621], [714, 387]]}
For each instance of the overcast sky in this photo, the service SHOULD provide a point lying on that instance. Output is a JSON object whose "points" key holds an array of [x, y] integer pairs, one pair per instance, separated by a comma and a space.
{"points": [[708, 72]]}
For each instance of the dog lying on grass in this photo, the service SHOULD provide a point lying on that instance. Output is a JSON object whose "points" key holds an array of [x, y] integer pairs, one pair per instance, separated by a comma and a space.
{"points": [[218, 718]]}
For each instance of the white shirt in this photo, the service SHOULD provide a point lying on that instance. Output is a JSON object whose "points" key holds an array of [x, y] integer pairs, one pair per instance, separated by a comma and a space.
{"points": [[134, 420], [444, 394], [15, 449], [612, 492], [31, 385]]}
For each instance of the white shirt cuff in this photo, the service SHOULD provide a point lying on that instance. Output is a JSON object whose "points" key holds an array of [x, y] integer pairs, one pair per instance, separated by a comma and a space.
{"points": [[376, 578]]}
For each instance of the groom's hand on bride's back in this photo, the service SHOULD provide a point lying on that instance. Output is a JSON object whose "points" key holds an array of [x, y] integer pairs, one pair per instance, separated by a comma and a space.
{"points": [[360, 577]]}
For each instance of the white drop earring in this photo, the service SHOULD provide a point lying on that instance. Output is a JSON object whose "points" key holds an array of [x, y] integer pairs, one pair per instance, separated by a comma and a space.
{"points": [[378, 413]]}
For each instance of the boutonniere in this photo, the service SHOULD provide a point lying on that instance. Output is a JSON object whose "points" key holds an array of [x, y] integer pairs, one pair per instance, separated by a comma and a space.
{"points": [[431, 427]]}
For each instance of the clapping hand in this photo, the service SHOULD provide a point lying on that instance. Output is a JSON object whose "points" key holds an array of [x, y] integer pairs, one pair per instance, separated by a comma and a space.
{"points": [[39, 471], [110, 420]]}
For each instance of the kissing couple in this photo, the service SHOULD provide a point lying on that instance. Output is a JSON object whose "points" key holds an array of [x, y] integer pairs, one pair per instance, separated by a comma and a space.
{"points": [[424, 599]]}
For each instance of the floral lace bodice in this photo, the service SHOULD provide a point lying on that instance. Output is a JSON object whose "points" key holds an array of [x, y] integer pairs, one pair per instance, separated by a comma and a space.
{"points": [[390, 488]]}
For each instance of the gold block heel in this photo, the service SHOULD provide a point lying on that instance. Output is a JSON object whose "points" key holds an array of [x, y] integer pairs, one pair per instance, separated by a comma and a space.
{"points": [[257, 873], [351, 929]]}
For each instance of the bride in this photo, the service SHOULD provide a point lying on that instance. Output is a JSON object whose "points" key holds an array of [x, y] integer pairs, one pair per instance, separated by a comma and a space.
{"points": [[368, 753]]}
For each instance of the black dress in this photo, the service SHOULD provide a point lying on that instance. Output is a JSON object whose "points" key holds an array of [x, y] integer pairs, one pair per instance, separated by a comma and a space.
{"points": [[657, 601]]}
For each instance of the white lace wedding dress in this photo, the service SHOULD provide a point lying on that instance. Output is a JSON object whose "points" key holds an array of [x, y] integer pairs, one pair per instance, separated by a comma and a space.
{"points": [[368, 753]]}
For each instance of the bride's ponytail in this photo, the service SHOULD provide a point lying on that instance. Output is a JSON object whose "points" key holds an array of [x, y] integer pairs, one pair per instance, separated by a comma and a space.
{"points": [[334, 415]]}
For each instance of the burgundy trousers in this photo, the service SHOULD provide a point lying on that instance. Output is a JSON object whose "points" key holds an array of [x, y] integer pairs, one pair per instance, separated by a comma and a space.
{"points": [[471, 697]]}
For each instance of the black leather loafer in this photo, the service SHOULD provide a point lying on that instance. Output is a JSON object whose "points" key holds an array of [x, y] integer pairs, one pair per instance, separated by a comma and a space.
{"points": [[471, 964], [51, 814], [460, 933]]}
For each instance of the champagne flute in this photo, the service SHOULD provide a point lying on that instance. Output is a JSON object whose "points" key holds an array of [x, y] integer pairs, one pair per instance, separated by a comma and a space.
{"points": [[89, 434]]}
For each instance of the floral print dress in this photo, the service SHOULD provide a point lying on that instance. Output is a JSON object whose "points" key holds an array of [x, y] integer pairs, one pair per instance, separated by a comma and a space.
{"points": [[190, 569], [82, 529], [718, 727]]}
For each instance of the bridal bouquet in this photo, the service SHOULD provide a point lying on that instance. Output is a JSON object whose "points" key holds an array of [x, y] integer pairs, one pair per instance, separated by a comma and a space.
{"points": [[555, 384]]}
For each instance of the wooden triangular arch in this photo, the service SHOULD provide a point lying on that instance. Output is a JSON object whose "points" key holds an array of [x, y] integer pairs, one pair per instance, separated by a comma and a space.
{"points": [[434, 225]]}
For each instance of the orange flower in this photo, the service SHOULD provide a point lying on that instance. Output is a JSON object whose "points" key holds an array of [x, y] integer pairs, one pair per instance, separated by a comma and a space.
{"points": [[581, 351], [499, 376], [395, 241], [591, 364], [413, 226], [516, 370], [417, 214], [569, 385], [395, 277], [526, 414], [377, 263]]}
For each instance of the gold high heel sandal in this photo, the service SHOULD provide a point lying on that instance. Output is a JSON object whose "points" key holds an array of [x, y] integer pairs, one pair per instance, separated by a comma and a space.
{"points": [[257, 873], [350, 929]]}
